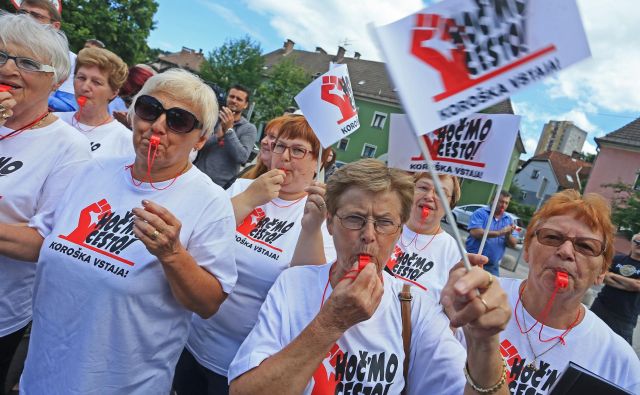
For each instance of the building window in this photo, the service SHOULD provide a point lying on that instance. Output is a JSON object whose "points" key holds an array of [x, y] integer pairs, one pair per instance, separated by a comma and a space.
{"points": [[535, 174], [379, 118], [368, 151], [343, 144], [636, 185], [523, 195]]}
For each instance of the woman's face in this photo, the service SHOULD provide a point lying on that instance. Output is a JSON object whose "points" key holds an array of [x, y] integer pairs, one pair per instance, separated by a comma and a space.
{"points": [[544, 260], [299, 171], [30, 89], [265, 145], [425, 195], [93, 83], [174, 148]]}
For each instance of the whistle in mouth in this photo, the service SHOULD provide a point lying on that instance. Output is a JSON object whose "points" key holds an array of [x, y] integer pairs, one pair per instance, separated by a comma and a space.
{"points": [[562, 280], [425, 213], [82, 100], [154, 140], [5, 88], [363, 260]]}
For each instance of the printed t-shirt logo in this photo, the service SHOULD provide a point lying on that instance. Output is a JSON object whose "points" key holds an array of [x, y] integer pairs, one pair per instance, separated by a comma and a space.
{"points": [[360, 372], [8, 165], [264, 230], [409, 266], [103, 231], [523, 379]]}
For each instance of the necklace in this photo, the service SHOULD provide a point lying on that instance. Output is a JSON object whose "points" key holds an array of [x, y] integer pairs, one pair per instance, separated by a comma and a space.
{"points": [[414, 240], [288, 205], [30, 125], [75, 122], [533, 365]]}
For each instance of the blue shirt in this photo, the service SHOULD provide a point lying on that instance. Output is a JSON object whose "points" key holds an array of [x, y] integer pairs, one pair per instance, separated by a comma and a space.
{"points": [[494, 246]]}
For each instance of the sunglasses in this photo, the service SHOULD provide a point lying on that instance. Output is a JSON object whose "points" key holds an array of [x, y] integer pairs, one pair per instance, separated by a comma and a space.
{"points": [[583, 245], [636, 242], [179, 120]]}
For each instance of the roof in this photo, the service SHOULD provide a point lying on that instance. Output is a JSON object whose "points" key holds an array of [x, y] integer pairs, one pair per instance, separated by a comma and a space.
{"points": [[564, 167], [369, 79], [185, 59], [628, 135]]}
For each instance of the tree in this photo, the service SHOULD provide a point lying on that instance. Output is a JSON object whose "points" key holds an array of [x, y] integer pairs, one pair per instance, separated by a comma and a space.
{"points": [[625, 207], [237, 61], [277, 91], [123, 25]]}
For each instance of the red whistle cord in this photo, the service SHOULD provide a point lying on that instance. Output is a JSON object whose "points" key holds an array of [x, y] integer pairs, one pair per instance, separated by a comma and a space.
{"points": [[154, 142]]}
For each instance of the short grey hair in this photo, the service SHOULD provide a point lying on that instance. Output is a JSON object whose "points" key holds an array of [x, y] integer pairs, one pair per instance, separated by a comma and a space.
{"points": [[182, 85], [47, 44]]}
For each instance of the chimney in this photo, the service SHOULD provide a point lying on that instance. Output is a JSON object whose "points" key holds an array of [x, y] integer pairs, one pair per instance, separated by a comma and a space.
{"points": [[357, 55], [320, 50], [340, 55], [288, 47], [575, 155]]}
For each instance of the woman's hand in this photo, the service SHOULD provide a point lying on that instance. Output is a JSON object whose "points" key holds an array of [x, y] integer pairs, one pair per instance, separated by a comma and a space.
{"points": [[158, 230], [266, 187], [7, 102], [315, 210]]}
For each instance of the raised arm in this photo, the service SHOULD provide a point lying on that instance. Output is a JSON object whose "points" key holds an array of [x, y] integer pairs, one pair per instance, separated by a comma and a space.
{"points": [[262, 190], [310, 246]]}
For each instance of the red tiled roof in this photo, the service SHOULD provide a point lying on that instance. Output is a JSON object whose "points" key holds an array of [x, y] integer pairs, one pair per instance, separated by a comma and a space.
{"points": [[628, 135], [185, 59], [565, 168]]}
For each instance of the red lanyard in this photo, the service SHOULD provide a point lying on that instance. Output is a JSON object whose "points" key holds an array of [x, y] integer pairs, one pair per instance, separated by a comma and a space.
{"points": [[22, 129], [154, 141]]}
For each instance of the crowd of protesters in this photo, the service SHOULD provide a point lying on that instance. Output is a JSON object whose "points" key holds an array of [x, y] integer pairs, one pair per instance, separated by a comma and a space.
{"points": [[144, 261]]}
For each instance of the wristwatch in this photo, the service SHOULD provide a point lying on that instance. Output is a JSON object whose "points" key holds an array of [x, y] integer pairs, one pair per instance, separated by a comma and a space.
{"points": [[230, 130]]}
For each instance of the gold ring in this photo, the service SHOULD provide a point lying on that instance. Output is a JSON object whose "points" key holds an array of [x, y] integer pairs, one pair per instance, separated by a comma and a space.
{"points": [[484, 302], [490, 279], [155, 234]]}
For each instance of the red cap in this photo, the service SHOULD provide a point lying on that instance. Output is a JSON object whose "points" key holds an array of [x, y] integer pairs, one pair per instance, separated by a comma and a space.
{"points": [[562, 280], [82, 100], [154, 140], [5, 88], [363, 260]]}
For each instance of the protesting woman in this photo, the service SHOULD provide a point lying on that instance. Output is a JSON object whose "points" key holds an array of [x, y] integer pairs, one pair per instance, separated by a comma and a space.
{"points": [[99, 74], [263, 162], [137, 244], [39, 154], [268, 214]]}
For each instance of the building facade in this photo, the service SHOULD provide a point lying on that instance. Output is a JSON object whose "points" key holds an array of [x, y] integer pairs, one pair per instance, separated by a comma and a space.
{"points": [[561, 136]]}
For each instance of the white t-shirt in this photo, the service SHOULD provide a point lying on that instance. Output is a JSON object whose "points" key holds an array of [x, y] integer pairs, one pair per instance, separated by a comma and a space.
{"points": [[108, 140], [424, 260], [35, 169], [369, 356], [105, 320], [264, 245], [591, 344]]}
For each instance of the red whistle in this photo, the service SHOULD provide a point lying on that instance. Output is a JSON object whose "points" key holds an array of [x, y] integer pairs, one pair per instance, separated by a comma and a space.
{"points": [[154, 140], [82, 100], [562, 280], [5, 88], [425, 213], [363, 260]]}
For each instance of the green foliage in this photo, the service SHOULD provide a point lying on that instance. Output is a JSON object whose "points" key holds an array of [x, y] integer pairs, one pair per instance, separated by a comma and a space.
{"points": [[123, 25], [625, 206], [237, 61], [276, 93], [524, 211]]}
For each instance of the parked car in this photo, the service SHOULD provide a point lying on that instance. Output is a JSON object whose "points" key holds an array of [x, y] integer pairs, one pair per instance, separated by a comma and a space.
{"points": [[462, 216]]}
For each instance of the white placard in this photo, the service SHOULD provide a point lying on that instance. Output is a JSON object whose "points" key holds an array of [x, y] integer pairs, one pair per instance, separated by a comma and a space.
{"points": [[455, 58], [478, 147], [329, 105]]}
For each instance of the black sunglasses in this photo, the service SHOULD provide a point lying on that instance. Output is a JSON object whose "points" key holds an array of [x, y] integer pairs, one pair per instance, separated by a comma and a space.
{"points": [[179, 120]]}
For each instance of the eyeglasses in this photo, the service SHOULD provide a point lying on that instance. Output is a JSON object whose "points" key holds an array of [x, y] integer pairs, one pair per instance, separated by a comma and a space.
{"points": [[26, 64], [179, 120], [357, 222], [427, 188], [636, 242], [583, 245], [40, 17], [295, 151]]}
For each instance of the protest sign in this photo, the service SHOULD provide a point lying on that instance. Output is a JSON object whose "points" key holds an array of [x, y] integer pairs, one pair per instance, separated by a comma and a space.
{"points": [[459, 56], [477, 147], [329, 106]]}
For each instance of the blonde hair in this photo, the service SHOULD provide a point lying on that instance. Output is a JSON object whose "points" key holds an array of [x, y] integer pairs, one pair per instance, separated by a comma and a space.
{"points": [[108, 62], [184, 86], [370, 175]]}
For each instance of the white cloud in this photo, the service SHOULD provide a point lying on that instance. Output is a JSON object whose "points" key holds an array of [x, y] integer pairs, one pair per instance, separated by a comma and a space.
{"points": [[609, 79], [589, 148], [231, 18], [530, 145], [326, 24]]}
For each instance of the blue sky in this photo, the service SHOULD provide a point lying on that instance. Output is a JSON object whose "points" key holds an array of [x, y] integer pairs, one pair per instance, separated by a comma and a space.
{"points": [[600, 94]]}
